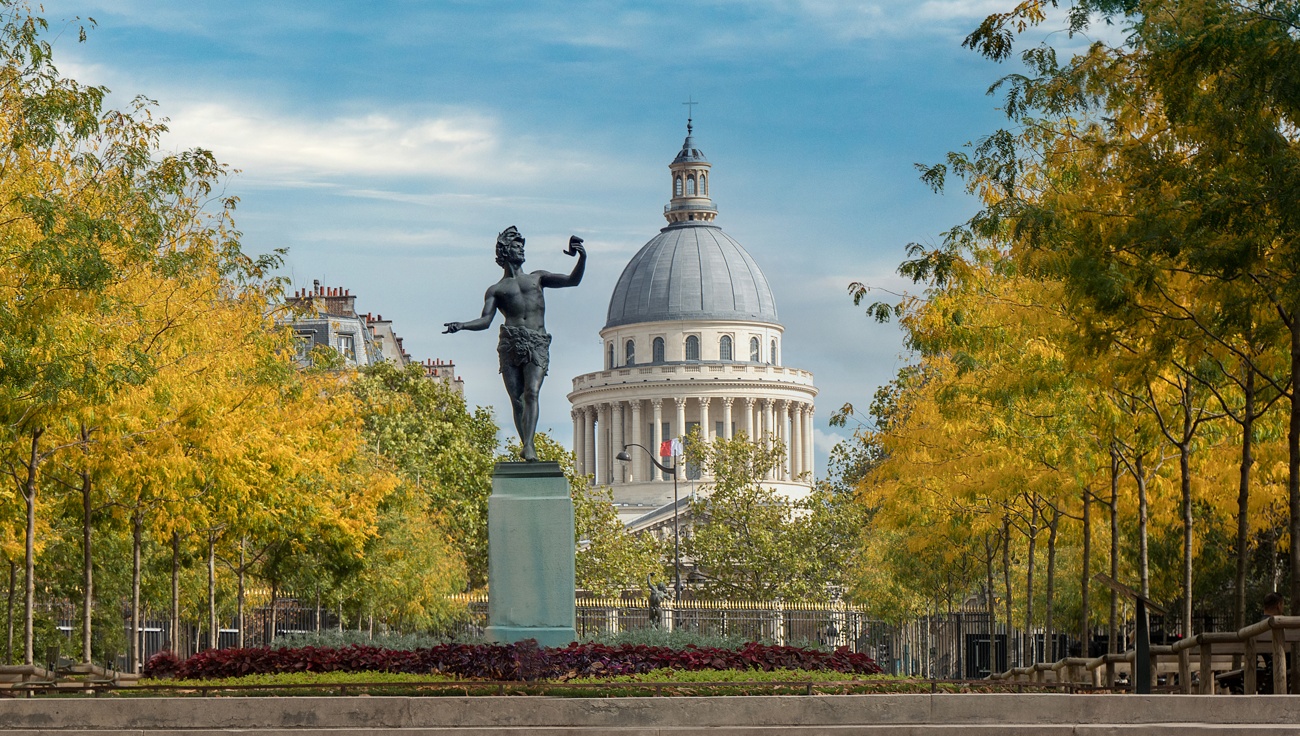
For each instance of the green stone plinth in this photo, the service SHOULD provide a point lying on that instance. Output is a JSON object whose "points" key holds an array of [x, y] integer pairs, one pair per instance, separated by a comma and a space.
{"points": [[530, 555]]}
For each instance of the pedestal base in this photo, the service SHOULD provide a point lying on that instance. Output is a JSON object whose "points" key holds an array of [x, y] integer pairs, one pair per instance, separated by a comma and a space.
{"points": [[530, 555]]}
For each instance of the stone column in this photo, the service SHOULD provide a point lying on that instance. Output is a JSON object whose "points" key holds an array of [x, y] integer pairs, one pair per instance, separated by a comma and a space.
{"points": [[638, 457], [602, 445], [616, 440], [679, 429], [787, 465], [726, 416], [658, 406], [577, 439], [809, 462], [589, 440], [777, 471], [706, 427], [796, 443], [749, 418], [769, 429]]}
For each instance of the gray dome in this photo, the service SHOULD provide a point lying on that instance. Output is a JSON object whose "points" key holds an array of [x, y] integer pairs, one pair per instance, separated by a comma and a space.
{"points": [[691, 270], [689, 153]]}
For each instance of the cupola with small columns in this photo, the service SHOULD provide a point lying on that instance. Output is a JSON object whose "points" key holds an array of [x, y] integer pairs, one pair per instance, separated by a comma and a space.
{"points": [[690, 173]]}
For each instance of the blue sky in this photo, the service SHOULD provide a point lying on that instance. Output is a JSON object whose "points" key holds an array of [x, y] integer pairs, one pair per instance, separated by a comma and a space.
{"points": [[385, 144]]}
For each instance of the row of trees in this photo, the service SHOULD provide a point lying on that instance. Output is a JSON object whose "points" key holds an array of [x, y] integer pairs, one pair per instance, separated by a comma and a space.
{"points": [[1109, 351], [163, 448]]}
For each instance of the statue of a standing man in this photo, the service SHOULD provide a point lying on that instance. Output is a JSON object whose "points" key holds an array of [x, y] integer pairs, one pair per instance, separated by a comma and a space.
{"points": [[524, 346]]}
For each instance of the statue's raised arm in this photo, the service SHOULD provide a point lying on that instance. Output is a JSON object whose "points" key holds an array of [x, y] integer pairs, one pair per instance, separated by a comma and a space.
{"points": [[559, 280]]}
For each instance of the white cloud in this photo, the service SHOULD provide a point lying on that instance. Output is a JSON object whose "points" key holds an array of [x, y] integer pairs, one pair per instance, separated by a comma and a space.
{"points": [[853, 19], [823, 442], [459, 145]]}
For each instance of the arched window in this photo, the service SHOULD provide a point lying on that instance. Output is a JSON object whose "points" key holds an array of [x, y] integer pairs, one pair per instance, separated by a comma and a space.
{"points": [[630, 352], [704, 185], [609, 357], [772, 356], [753, 350], [692, 347], [677, 186], [690, 186], [657, 351], [724, 348]]}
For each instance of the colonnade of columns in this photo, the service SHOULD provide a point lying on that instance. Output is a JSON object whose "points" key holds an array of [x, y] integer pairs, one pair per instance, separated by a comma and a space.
{"points": [[601, 430]]}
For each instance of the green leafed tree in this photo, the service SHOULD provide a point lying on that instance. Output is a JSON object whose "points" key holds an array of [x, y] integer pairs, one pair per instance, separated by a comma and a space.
{"points": [[438, 445], [749, 542]]}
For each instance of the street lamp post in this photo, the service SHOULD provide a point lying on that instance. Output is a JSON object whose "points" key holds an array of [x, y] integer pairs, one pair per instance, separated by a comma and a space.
{"points": [[677, 539]]}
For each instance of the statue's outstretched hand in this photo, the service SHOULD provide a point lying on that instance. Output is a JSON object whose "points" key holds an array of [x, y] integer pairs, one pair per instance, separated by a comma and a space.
{"points": [[575, 246], [452, 327]]}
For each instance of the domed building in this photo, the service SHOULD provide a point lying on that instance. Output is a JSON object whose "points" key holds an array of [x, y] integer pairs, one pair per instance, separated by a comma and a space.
{"points": [[691, 340]]}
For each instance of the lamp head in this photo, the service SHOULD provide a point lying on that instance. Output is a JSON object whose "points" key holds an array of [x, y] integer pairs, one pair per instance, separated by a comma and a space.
{"points": [[623, 457]]}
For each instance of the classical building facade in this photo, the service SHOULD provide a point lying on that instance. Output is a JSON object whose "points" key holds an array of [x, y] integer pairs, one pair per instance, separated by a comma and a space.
{"points": [[691, 340], [325, 316]]}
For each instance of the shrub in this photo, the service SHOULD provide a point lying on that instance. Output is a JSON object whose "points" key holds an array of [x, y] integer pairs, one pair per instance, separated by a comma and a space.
{"points": [[522, 661]]}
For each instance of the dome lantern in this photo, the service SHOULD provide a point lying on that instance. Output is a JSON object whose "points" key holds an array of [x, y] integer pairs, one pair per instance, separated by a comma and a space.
{"points": [[690, 184]]}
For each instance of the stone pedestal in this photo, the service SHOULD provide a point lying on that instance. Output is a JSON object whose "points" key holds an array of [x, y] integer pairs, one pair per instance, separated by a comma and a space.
{"points": [[530, 555]]}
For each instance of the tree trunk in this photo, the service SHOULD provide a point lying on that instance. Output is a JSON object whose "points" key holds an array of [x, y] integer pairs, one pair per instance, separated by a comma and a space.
{"points": [[1085, 607], [137, 534], [1052, 527], [175, 619], [1185, 482], [1144, 567], [1274, 565], [318, 609], [1112, 645], [9, 626], [1031, 657], [29, 561], [213, 630], [275, 595], [87, 565], [1006, 572], [989, 601], [1243, 502], [239, 595], [1293, 465]]}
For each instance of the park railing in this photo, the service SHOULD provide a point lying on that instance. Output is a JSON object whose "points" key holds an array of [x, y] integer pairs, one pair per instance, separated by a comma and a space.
{"points": [[961, 644], [1204, 663]]}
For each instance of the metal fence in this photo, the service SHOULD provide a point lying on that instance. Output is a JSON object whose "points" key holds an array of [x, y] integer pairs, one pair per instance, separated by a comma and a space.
{"points": [[957, 645]]}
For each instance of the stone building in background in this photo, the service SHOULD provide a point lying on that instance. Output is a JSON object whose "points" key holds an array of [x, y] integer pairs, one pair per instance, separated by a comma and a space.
{"points": [[691, 340], [327, 316]]}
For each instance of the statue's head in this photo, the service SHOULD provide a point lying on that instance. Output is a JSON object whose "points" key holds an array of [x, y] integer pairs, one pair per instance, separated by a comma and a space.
{"points": [[510, 246]]}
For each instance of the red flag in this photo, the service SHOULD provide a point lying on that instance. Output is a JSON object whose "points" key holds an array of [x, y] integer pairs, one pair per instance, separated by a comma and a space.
{"points": [[666, 448]]}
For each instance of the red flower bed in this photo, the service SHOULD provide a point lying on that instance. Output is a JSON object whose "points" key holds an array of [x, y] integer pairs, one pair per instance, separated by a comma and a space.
{"points": [[522, 661]]}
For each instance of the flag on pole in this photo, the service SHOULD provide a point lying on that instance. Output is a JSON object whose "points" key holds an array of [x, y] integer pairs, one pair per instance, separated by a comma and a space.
{"points": [[666, 448], [677, 447]]}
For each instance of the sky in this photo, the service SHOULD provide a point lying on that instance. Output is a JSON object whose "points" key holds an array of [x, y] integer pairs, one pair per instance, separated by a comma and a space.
{"points": [[385, 145]]}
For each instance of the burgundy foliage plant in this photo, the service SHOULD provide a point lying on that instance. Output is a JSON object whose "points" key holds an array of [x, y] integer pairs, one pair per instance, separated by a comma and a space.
{"points": [[522, 661]]}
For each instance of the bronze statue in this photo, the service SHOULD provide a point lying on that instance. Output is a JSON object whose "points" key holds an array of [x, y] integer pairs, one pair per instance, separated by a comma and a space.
{"points": [[524, 345], [658, 592]]}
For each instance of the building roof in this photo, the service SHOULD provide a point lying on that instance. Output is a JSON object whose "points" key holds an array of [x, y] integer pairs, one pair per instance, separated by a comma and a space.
{"points": [[690, 271]]}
